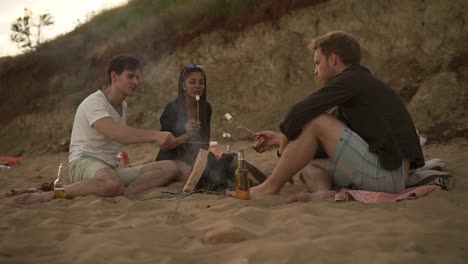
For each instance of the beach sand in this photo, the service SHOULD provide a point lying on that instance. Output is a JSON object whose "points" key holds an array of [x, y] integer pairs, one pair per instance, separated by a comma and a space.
{"points": [[156, 227]]}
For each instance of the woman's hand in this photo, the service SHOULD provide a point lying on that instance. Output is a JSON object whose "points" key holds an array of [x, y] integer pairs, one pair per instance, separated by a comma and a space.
{"points": [[192, 127]]}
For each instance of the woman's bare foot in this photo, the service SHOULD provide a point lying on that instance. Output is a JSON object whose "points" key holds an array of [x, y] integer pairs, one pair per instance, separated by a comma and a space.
{"points": [[258, 191], [310, 197], [32, 198]]}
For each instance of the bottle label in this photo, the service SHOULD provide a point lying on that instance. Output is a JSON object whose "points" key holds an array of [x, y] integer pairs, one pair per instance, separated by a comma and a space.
{"points": [[59, 194], [242, 195]]}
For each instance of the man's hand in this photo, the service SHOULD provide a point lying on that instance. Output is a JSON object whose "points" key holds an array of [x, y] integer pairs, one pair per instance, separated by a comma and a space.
{"points": [[174, 144], [266, 140], [165, 139]]}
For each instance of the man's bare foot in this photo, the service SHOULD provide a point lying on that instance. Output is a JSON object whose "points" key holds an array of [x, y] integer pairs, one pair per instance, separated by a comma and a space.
{"points": [[310, 197], [130, 191], [259, 191], [32, 198]]}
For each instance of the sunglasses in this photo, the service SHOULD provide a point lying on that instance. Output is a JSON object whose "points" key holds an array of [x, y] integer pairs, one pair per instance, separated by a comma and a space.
{"points": [[190, 66]]}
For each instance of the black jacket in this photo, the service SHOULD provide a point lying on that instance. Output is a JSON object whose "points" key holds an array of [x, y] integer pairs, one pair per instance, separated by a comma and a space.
{"points": [[368, 107]]}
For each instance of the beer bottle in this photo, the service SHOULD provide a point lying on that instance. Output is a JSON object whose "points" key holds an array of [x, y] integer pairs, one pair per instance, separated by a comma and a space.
{"points": [[242, 178], [59, 183]]}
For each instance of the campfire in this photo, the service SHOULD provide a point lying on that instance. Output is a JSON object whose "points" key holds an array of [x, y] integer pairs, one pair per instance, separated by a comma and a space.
{"points": [[214, 170]]}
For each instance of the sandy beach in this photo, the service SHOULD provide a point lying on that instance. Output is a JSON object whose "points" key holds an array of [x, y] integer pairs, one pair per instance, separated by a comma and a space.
{"points": [[258, 65], [157, 227]]}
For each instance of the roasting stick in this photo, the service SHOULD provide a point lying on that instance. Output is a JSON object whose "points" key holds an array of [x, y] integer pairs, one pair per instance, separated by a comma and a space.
{"points": [[230, 118], [197, 97], [228, 137]]}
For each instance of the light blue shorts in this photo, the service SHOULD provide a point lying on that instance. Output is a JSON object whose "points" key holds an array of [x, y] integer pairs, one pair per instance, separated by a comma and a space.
{"points": [[354, 166], [86, 167]]}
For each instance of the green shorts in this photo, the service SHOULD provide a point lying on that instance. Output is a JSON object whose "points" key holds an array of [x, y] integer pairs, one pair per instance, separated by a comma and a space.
{"points": [[86, 167]]}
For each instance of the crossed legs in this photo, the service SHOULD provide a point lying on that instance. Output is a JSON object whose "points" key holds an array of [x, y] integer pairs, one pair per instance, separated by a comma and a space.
{"points": [[315, 176], [106, 183], [298, 155], [157, 174]]}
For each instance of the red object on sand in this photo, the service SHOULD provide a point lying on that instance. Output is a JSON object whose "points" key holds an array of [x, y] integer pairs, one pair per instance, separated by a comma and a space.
{"points": [[10, 161], [123, 159]]}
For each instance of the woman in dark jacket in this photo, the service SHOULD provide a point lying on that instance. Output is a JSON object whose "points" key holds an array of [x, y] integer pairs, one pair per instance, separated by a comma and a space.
{"points": [[187, 118]]}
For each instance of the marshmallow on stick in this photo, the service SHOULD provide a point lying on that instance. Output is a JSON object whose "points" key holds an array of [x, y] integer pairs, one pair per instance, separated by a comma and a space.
{"points": [[228, 137], [229, 117], [197, 97]]}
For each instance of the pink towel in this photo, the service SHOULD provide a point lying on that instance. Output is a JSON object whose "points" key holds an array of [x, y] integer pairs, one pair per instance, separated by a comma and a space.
{"points": [[379, 197]]}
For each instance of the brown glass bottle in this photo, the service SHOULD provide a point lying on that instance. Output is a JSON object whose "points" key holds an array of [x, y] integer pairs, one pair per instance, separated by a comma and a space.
{"points": [[59, 183], [242, 178]]}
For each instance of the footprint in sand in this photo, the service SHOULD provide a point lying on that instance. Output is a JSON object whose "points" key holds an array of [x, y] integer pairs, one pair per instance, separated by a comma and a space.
{"points": [[98, 227], [104, 225], [225, 235], [175, 218], [62, 236]]}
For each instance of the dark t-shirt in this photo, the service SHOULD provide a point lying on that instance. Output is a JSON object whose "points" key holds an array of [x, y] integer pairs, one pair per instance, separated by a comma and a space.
{"points": [[172, 122], [368, 107]]}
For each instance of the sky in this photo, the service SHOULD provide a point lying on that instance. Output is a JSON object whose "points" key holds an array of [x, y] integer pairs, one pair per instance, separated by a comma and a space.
{"points": [[65, 13]]}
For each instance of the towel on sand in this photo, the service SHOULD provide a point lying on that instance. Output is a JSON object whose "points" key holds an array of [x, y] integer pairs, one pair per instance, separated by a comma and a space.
{"points": [[420, 183], [381, 197]]}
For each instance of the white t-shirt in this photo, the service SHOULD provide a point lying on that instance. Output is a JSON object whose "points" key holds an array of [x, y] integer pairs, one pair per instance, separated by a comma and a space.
{"points": [[85, 139]]}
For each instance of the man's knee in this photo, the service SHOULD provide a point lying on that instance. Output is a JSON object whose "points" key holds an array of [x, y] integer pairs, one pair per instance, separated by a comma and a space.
{"points": [[169, 166], [183, 170], [163, 166], [315, 177], [110, 183], [328, 130], [309, 172], [323, 121]]}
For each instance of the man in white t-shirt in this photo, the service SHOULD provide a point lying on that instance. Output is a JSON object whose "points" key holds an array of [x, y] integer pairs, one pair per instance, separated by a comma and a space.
{"points": [[98, 130]]}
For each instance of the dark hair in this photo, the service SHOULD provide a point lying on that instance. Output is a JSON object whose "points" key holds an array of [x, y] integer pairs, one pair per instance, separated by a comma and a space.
{"points": [[341, 43], [186, 71], [120, 63]]}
